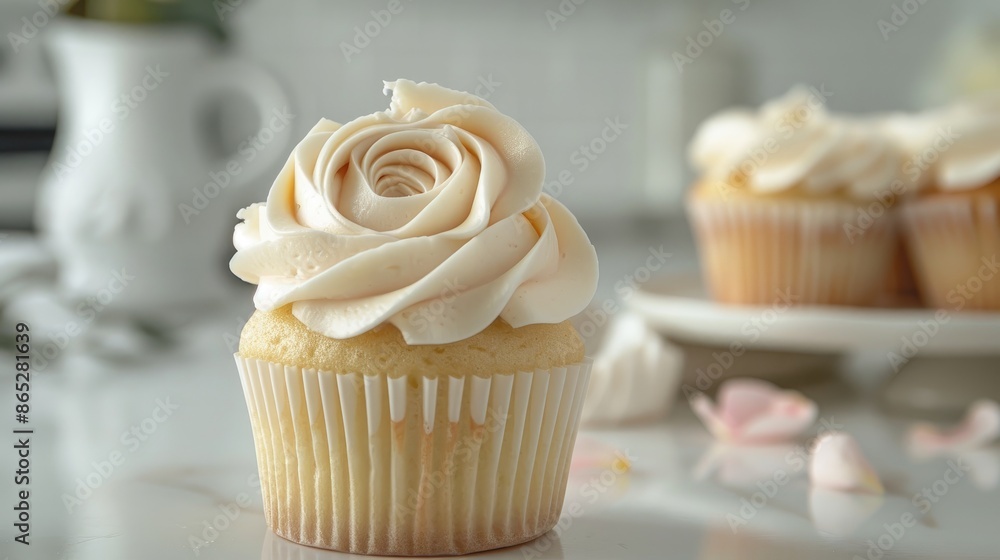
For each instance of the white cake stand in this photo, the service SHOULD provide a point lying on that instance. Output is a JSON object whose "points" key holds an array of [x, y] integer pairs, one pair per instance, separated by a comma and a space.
{"points": [[942, 360]]}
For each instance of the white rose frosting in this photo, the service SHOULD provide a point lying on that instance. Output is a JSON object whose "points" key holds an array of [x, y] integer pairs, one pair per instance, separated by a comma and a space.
{"points": [[793, 143], [966, 139], [429, 216]]}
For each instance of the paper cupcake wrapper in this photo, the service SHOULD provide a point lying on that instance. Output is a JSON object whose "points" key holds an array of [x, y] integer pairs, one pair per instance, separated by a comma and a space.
{"points": [[954, 244], [758, 253], [901, 284], [412, 465]]}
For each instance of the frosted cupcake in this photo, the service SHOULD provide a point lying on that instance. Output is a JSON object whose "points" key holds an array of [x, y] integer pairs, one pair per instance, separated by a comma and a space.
{"points": [[952, 227], [794, 204], [413, 384]]}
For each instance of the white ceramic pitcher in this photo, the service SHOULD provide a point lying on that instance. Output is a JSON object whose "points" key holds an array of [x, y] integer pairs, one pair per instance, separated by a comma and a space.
{"points": [[136, 210]]}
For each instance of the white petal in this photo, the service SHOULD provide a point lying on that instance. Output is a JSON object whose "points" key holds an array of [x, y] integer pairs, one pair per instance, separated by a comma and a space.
{"points": [[837, 463]]}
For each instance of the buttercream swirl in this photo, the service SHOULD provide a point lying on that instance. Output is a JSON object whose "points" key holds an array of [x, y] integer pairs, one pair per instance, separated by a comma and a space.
{"points": [[793, 143], [429, 216], [965, 139]]}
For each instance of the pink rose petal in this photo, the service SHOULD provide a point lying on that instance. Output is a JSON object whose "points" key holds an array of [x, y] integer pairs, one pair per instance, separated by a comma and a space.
{"points": [[837, 463], [980, 427], [702, 407], [751, 411]]}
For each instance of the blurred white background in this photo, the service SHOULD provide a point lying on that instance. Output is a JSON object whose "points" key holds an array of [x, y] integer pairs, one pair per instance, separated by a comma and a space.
{"points": [[560, 75]]}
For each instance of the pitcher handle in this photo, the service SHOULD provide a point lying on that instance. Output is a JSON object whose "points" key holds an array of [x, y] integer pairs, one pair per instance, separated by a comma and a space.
{"points": [[270, 142]]}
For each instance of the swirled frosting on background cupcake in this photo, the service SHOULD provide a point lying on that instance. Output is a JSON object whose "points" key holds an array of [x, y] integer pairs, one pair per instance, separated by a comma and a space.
{"points": [[949, 149], [965, 142], [429, 216], [793, 145]]}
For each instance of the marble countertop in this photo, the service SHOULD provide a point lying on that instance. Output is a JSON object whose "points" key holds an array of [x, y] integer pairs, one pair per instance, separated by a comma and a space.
{"points": [[153, 458]]}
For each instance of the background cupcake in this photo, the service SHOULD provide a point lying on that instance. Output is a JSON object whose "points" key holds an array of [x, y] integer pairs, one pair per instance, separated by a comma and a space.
{"points": [[794, 203], [952, 227], [413, 385]]}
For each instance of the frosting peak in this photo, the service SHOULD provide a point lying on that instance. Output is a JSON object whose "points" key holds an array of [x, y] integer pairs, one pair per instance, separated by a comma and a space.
{"points": [[429, 216]]}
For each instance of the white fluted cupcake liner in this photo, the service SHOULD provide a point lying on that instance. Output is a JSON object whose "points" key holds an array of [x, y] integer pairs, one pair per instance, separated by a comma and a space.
{"points": [[954, 245], [412, 466], [762, 252]]}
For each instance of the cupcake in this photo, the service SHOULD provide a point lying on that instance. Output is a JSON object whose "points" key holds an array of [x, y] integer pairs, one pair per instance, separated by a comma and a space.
{"points": [[952, 227], [413, 383], [794, 205]]}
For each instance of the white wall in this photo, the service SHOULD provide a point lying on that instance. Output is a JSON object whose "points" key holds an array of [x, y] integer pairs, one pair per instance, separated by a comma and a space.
{"points": [[562, 84], [610, 58]]}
